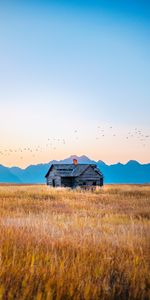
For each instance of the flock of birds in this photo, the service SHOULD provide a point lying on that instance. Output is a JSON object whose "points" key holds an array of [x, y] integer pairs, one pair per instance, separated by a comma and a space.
{"points": [[135, 133], [53, 143]]}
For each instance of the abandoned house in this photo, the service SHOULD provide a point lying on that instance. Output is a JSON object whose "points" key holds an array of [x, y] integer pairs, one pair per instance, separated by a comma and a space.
{"points": [[74, 175]]}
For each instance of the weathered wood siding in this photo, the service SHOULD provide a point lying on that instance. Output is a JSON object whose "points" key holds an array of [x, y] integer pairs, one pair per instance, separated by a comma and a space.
{"points": [[88, 178], [53, 176]]}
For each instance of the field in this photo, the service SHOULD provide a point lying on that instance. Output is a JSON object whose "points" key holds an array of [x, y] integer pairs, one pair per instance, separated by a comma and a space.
{"points": [[62, 244]]}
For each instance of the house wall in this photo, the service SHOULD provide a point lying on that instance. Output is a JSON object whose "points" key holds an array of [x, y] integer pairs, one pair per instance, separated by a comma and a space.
{"points": [[53, 176], [88, 178]]}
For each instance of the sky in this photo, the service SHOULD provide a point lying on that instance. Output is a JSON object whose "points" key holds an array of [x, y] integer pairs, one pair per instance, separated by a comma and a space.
{"points": [[74, 79]]}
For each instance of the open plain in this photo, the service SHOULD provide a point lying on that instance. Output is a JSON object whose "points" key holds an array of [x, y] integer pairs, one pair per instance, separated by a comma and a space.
{"points": [[73, 244]]}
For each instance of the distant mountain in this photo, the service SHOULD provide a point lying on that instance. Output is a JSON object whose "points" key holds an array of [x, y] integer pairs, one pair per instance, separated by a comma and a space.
{"points": [[6, 176], [81, 160], [32, 174], [131, 172]]}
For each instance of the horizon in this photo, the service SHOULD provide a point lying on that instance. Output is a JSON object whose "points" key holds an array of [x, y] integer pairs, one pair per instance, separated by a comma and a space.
{"points": [[74, 79], [77, 157]]}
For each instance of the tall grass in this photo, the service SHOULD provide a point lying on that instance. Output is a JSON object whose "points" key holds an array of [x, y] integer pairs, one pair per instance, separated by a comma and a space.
{"points": [[62, 244]]}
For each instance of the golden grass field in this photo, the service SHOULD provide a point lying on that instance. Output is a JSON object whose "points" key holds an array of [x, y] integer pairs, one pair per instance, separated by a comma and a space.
{"points": [[64, 244]]}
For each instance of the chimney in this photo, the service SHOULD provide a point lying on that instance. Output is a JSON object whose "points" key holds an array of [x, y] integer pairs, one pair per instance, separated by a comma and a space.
{"points": [[75, 162]]}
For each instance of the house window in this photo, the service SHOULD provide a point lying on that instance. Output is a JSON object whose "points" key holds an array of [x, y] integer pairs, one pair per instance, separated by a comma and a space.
{"points": [[94, 183], [101, 181], [84, 183]]}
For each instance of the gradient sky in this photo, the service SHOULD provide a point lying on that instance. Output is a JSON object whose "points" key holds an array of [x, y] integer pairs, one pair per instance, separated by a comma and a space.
{"points": [[68, 71]]}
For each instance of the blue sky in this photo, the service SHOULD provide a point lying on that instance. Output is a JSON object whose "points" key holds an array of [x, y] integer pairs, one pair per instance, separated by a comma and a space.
{"points": [[70, 66]]}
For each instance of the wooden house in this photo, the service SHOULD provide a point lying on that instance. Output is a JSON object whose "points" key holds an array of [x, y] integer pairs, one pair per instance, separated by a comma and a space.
{"points": [[74, 175]]}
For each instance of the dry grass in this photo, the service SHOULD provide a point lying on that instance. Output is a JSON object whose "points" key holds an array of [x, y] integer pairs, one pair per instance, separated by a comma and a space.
{"points": [[61, 244]]}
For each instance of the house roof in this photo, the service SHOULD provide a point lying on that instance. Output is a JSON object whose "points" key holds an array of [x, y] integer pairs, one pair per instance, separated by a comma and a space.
{"points": [[71, 170]]}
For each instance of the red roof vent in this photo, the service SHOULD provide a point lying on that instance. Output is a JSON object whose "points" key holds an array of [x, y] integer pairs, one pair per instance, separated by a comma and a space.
{"points": [[75, 162]]}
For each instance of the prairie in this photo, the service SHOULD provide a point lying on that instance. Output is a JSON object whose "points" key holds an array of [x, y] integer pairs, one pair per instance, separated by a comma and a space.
{"points": [[73, 244]]}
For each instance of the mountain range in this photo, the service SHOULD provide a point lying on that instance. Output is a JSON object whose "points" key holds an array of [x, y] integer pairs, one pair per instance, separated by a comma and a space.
{"points": [[132, 172]]}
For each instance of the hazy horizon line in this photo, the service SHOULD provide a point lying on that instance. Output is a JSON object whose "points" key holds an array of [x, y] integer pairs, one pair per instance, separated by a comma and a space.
{"points": [[71, 156]]}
